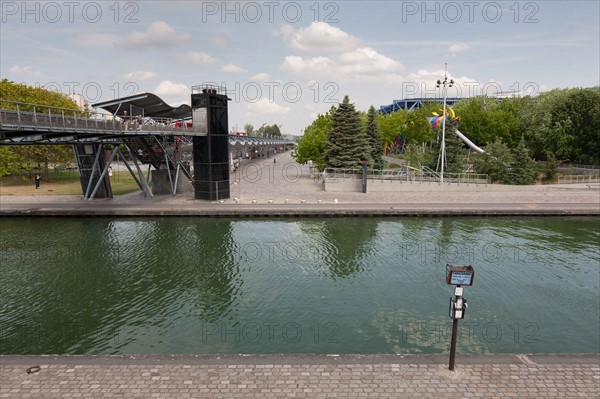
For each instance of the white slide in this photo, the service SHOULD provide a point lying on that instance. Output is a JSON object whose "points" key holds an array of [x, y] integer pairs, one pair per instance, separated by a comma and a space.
{"points": [[469, 142]]}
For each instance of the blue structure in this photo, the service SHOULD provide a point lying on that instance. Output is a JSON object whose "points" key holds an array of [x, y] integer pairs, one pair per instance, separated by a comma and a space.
{"points": [[413, 103]]}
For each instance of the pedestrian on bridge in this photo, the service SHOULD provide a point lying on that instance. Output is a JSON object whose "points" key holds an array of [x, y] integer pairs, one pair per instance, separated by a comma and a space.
{"points": [[126, 119]]}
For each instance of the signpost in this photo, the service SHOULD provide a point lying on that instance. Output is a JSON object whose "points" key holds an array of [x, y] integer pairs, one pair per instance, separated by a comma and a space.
{"points": [[458, 276]]}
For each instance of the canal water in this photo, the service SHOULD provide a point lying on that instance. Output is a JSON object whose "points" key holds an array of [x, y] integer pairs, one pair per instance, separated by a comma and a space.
{"points": [[336, 285]]}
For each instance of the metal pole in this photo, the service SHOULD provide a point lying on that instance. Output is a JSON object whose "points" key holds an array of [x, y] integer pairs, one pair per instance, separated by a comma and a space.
{"points": [[176, 179], [444, 125], [453, 343]]}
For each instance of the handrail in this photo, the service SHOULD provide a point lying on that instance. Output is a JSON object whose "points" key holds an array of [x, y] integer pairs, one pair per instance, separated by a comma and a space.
{"points": [[38, 115], [405, 174], [30, 116], [574, 179]]}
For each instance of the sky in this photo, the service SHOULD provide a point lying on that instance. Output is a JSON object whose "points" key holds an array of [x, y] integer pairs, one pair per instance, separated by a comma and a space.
{"points": [[285, 62]]}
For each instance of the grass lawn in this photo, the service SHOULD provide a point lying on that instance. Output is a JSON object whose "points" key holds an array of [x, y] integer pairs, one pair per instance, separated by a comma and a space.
{"points": [[65, 183]]}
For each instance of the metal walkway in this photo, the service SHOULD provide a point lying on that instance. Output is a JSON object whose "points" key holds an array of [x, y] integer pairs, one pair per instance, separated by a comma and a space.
{"points": [[22, 123], [151, 141]]}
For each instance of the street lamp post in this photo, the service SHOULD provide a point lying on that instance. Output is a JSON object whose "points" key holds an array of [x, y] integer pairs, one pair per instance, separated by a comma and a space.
{"points": [[445, 84]]}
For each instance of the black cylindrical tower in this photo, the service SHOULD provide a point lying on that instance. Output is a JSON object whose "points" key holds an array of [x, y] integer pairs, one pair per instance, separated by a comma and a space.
{"points": [[211, 152]]}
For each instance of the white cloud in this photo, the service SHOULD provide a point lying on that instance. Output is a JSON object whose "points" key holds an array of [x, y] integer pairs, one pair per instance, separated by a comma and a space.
{"points": [[159, 35], [233, 68], [261, 77], [318, 37], [140, 75], [308, 66], [24, 71], [341, 59], [195, 57], [175, 91], [266, 107], [360, 65], [422, 83], [458, 47]]}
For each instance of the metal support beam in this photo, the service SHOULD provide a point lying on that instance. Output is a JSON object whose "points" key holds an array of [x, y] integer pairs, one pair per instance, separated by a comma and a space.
{"points": [[98, 149], [168, 164], [104, 172], [176, 178], [131, 171], [147, 191]]}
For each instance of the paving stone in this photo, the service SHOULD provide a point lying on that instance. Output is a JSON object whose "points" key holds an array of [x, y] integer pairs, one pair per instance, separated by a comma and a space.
{"points": [[370, 377]]}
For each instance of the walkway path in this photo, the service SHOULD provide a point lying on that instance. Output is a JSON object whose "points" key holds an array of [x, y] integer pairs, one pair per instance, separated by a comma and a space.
{"points": [[495, 376], [285, 188]]}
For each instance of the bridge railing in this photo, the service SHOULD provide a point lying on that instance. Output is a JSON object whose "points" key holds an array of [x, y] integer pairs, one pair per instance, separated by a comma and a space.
{"points": [[19, 115]]}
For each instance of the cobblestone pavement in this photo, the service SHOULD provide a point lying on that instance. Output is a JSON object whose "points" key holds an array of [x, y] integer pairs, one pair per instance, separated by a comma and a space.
{"points": [[491, 376]]}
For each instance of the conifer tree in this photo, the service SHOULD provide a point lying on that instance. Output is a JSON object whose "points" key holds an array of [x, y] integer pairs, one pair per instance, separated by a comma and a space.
{"points": [[375, 141], [347, 145], [523, 168], [455, 150]]}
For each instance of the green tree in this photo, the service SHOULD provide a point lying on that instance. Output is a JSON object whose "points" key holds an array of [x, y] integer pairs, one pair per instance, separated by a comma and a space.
{"points": [[347, 144], [390, 126], [455, 150], [484, 119], [268, 131], [29, 158], [311, 147], [495, 162], [523, 169], [249, 129], [545, 132], [417, 129], [374, 138], [581, 108], [550, 166]]}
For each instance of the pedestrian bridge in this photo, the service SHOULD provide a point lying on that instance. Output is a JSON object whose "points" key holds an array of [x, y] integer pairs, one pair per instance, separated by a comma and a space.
{"points": [[23, 123], [148, 138]]}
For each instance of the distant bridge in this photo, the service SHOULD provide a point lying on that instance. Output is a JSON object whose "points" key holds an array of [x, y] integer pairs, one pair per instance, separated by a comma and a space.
{"points": [[412, 103]]}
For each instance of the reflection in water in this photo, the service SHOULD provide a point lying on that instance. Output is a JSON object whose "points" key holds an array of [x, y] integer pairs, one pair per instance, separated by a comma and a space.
{"points": [[192, 285], [344, 244]]}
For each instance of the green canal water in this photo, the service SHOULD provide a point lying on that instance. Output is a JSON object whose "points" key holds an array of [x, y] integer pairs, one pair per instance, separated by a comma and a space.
{"points": [[339, 285]]}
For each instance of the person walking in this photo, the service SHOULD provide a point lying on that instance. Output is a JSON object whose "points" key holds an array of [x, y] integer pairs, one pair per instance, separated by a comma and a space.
{"points": [[126, 119], [37, 180]]}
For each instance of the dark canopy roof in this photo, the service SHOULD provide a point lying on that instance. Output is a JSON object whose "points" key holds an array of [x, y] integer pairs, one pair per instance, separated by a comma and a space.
{"points": [[152, 105]]}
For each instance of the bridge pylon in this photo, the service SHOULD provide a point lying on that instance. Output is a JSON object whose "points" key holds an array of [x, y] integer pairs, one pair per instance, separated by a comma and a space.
{"points": [[211, 152]]}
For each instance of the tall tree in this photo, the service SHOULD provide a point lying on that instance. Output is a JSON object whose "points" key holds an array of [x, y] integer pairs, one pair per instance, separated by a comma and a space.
{"points": [[390, 126], [268, 131], [347, 145], [375, 141], [523, 169], [29, 158], [249, 129], [311, 147], [484, 119], [494, 162], [455, 150]]}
